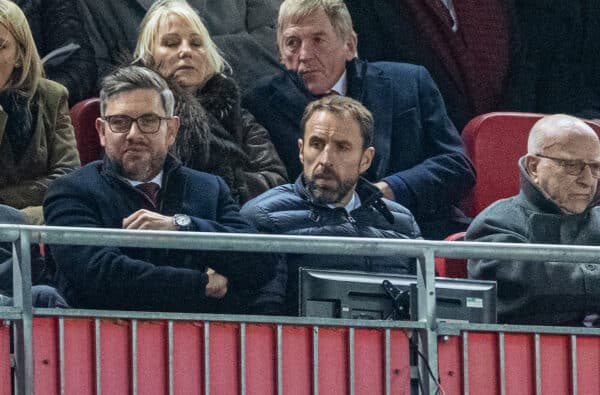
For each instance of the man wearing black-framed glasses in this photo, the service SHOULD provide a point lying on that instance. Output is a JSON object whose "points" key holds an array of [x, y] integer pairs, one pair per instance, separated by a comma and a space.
{"points": [[556, 205], [139, 185]]}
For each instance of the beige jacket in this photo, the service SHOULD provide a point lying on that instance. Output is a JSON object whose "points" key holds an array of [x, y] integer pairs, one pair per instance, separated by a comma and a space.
{"points": [[51, 153]]}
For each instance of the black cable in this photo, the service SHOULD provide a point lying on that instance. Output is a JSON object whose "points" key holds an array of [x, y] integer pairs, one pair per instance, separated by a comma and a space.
{"points": [[436, 379]]}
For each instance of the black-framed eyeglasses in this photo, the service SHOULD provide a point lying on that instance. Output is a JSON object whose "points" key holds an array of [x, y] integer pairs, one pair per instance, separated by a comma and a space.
{"points": [[574, 167], [147, 123]]}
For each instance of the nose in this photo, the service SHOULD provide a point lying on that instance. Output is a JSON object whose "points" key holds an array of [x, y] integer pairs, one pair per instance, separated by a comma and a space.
{"points": [[586, 177], [325, 157], [134, 131], [184, 49], [306, 50]]}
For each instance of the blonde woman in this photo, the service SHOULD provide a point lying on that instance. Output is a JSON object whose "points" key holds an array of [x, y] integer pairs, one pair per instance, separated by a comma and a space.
{"points": [[37, 143], [216, 134]]}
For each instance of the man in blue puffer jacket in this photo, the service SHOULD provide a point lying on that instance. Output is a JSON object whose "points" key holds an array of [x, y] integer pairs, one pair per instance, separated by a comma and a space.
{"points": [[330, 199]]}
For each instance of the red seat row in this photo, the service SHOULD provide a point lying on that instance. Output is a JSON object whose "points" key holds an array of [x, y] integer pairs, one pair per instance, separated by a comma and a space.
{"points": [[493, 141]]}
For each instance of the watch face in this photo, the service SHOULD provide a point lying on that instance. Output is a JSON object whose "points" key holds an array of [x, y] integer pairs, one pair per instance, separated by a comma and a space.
{"points": [[182, 220]]}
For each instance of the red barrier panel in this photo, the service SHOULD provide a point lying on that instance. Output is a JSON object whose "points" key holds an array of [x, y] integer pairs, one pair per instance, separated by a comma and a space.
{"points": [[520, 363], [154, 356], [588, 364], [4, 359], [525, 369], [117, 356]]}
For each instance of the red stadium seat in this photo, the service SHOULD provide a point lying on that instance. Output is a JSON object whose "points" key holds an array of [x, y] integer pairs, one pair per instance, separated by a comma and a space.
{"points": [[495, 142], [449, 267], [83, 116]]}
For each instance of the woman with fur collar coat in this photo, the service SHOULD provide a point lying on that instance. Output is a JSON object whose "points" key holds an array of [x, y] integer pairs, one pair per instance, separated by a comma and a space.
{"points": [[216, 134]]}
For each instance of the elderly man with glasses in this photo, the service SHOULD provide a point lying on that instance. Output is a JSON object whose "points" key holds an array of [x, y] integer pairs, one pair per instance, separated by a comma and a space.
{"points": [[139, 185], [556, 205]]}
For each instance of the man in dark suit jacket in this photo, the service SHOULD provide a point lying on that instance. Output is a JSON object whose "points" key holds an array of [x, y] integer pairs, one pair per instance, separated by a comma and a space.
{"points": [[140, 186], [419, 162]]}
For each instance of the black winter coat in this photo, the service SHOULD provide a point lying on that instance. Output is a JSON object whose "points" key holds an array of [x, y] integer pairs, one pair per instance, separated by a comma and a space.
{"points": [[289, 210], [54, 24], [218, 136]]}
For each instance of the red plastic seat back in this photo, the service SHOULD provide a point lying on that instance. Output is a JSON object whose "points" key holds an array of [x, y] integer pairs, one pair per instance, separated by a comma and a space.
{"points": [[495, 142], [83, 116], [451, 267]]}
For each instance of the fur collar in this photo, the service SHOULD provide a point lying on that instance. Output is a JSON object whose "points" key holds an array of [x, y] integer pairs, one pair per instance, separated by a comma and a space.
{"points": [[210, 135], [220, 96]]}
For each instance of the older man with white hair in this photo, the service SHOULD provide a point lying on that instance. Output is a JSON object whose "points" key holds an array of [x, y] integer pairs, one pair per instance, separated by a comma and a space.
{"points": [[556, 205]]}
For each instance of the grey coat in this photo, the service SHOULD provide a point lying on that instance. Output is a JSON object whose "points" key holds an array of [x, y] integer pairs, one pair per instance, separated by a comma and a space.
{"points": [[550, 293]]}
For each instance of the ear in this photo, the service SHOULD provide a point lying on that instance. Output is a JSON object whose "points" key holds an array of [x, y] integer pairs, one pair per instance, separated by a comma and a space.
{"points": [[300, 150], [531, 166], [351, 47], [101, 132], [172, 129], [367, 159]]}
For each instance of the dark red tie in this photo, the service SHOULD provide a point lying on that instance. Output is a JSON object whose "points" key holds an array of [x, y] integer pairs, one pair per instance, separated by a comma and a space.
{"points": [[150, 189]]}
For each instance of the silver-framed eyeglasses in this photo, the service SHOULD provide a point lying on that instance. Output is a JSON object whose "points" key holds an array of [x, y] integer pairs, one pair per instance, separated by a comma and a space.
{"points": [[147, 123], [574, 167]]}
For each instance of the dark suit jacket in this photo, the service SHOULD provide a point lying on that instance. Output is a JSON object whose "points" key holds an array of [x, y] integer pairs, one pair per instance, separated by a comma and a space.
{"points": [[147, 279], [417, 148]]}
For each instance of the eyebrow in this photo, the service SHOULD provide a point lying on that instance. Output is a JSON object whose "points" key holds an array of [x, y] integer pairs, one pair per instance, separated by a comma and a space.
{"points": [[178, 35], [295, 34]]}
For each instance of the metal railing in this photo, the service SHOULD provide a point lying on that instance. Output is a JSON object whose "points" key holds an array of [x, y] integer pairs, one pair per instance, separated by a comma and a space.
{"points": [[425, 251]]}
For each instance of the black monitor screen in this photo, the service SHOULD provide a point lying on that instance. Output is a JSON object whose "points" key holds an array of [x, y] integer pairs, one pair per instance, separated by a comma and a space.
{"points": [[360, 295]]}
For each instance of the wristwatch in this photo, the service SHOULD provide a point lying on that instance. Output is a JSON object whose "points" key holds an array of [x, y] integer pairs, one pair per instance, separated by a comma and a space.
{"points": [[182, 221]]}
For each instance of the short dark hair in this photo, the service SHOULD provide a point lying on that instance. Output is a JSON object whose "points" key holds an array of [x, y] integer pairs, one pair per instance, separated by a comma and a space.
{"points": [[343, 106], [136, 77]]}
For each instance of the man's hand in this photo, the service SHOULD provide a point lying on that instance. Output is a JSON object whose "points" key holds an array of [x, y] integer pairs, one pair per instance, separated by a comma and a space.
{"points": [[386, 190], [217, 284], [149, 220]]}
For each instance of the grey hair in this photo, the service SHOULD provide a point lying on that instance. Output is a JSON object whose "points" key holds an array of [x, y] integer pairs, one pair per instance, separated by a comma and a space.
{"points": [[130, 78], [292, 11], [343, 106]]}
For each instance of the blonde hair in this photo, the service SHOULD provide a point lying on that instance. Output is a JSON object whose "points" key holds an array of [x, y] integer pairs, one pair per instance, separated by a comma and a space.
{"points": [[149, 26], [292, 11], [28, 70]]}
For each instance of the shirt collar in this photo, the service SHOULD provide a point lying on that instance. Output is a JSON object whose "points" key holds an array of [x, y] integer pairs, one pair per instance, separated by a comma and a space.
{"points": [[157, 180], [353, 204], [341, 86]]}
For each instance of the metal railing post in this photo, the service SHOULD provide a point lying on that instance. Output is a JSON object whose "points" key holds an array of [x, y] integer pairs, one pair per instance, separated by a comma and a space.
{"points": [[23, 333], [427, 313]]}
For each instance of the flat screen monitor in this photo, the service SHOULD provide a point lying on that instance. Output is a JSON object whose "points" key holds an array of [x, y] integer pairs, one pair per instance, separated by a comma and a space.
{"points": [[361, 295]]}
